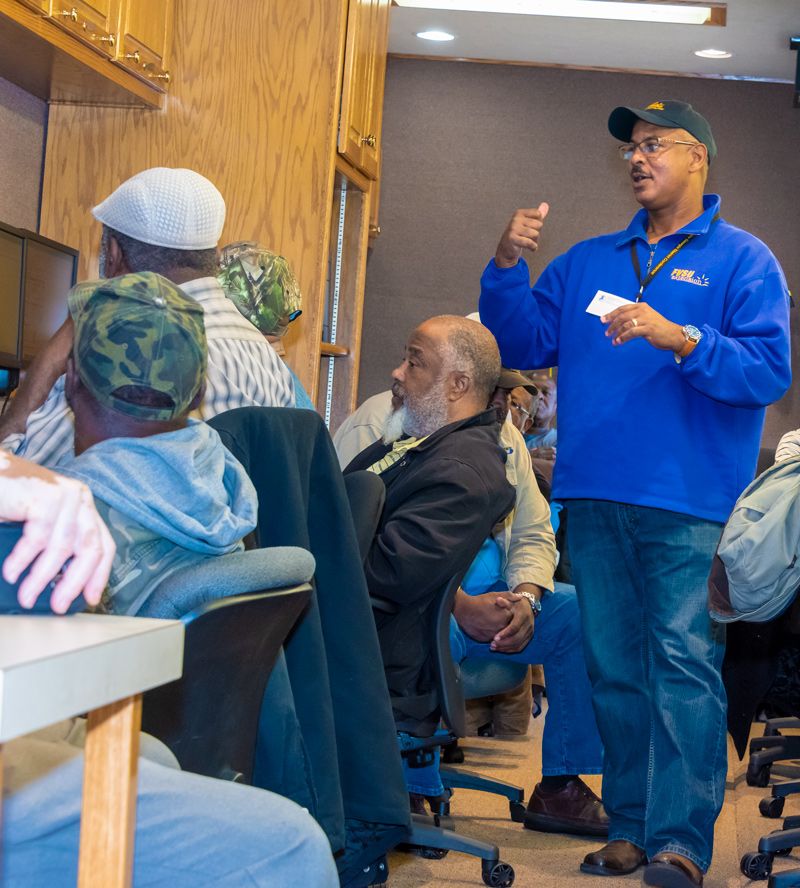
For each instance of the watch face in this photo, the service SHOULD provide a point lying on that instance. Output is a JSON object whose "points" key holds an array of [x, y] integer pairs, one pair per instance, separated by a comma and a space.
{"points": [[692, 333]]}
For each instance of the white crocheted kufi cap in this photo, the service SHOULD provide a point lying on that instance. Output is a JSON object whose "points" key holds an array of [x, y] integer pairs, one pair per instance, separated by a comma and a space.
{"points": [[174, 208]]}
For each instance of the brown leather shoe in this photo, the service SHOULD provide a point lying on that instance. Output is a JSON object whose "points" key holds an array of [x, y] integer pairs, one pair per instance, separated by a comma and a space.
{"points": [[670, 870], [617, 858], [575, 809]]}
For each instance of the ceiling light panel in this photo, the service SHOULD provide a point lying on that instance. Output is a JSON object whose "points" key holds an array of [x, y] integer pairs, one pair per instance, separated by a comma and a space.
{"points": [[678, 13], [438, 36]]}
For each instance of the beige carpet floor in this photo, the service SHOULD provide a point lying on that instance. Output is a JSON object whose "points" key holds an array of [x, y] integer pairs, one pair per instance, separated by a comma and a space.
{"points": [[547, 861]]}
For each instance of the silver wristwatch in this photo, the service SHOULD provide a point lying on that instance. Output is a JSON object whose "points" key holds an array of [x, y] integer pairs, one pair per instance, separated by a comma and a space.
{"points": [[536, 605]]}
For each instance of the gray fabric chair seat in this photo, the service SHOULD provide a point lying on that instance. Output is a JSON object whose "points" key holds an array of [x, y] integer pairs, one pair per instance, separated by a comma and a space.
{"points": [[239, 572]]}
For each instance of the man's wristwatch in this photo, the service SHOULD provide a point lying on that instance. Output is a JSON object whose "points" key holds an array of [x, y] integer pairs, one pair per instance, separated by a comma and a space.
{"points": [[692, 336], [536, 605]]}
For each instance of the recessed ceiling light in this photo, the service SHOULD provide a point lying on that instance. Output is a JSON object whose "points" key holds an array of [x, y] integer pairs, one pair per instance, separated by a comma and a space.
{"points": [[713, 53], [678, 13], [440, 36]]}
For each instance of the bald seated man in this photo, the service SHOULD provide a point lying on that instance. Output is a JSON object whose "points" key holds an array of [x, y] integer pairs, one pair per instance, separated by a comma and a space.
{"points": [[446, 488]]}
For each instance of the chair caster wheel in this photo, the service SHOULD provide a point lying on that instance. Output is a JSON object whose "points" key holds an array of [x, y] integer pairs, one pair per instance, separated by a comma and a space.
{"points": [[758, 776], [517, 811], [756, 866], [771, 806], [497, 874]]}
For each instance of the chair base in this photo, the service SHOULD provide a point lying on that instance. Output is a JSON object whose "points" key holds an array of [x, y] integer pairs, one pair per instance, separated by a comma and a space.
{"points": [[494, 871], [772, 747], [458, 779]]}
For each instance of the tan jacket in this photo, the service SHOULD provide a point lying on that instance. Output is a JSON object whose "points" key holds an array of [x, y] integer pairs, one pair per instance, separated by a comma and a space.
{"points": [[527, 535]]}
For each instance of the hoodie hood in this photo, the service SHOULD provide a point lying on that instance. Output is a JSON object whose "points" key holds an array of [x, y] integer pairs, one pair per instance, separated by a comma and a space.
{"points": [[183, 486]]}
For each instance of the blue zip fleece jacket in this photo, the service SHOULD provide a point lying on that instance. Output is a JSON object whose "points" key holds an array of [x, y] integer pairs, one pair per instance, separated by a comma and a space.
{"points": [[634, 426]]}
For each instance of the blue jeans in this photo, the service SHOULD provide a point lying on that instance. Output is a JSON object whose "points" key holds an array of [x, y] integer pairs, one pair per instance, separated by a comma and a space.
{"points": [[571, 742], [654, 658]]}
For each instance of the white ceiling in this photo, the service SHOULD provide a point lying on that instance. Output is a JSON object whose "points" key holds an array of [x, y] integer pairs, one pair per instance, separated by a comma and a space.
{"points": [[757, 33]]}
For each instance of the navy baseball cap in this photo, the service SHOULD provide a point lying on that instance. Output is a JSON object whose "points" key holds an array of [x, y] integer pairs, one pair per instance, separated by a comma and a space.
{"points": [[671, 113]]}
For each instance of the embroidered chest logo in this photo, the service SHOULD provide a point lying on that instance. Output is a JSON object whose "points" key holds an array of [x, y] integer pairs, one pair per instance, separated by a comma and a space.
{"points": [[690, 276]]}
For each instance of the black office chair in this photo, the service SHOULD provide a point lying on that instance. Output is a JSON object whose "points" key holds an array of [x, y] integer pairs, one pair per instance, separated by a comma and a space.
{"points": [[366, 494], [235, 627], [450, 696]]}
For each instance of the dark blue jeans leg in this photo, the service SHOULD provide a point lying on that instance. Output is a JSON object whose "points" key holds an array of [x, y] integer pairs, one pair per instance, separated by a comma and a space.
{"points": [[688, 757], [607, 574], [571, 742]]}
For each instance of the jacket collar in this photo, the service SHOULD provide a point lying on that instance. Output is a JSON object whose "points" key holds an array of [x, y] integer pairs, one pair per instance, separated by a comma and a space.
{"points": [[637, 230], [487, 418]]}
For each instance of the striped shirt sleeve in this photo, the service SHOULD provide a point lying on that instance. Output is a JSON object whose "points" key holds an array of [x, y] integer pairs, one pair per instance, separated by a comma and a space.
{"points": [[788, 446]]}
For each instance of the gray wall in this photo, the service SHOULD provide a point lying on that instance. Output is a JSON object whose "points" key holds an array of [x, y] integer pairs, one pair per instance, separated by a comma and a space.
{"points": [[23, 122], [465, 144]]}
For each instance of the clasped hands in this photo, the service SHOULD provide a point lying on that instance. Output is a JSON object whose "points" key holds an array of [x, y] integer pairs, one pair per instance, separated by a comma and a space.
{"points": [[503, 620]]}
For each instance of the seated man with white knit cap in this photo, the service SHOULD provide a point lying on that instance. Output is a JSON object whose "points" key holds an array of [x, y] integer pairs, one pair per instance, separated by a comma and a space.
{"points": [[166, 221]]}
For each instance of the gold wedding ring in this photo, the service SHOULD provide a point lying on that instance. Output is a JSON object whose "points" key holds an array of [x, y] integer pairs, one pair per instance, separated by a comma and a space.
{"points": [[634, 322]]}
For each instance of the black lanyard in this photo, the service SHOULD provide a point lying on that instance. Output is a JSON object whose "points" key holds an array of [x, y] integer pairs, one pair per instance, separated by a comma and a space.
{"points": [[653, 272]]}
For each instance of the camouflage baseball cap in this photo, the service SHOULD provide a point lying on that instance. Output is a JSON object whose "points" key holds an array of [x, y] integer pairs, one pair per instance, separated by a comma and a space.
{"points": [[140, 344], [261, 285]]}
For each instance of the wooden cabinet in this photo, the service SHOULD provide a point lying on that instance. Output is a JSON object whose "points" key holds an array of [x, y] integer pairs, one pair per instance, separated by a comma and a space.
{"points": [[145, 33], [362, 86], [71, 58], [42, 6], [95, 21]]}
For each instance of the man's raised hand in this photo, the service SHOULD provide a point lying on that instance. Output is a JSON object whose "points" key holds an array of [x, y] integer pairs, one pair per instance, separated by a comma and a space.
{"points": [[521, 234]]}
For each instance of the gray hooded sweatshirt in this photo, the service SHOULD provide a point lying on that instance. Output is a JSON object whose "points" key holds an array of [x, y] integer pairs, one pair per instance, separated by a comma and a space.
{"points": [[169, 501]]}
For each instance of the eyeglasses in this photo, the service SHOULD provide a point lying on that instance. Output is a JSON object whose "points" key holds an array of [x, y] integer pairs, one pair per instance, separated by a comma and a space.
{"points": [[650, 146], [515, 406]]}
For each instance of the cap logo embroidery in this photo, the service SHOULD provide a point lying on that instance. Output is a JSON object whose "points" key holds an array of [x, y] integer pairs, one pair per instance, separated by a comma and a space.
{"points": [[655, 106], [689, 276]]}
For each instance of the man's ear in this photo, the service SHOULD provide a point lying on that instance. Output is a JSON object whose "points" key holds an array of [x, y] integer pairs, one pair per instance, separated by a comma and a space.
{"points": [[699, 154], [460, 384], [197, 400], [72, 380], [116, 264]]}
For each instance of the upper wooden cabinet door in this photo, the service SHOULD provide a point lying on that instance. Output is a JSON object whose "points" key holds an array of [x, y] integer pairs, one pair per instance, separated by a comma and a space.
{"points": [[42, 6], [144, 39], [95, 21], [362, 88]]}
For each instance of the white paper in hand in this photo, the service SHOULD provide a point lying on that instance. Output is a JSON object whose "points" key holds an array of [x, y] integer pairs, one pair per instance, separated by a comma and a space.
{"points": [[604, 303]]}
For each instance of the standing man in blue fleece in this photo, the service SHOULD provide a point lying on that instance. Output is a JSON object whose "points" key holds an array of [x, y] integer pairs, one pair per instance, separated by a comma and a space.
{"points": [[682, 321]]}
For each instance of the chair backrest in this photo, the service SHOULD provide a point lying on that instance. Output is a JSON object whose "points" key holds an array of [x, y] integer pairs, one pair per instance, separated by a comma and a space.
{"points": [[209, 717], [238, 610], [449, 687], [366, 494]]}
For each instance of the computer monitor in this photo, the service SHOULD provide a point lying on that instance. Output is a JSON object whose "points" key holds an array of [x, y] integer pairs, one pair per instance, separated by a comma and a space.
{"points": [[35, 277], [12, 248], [50, 271]]}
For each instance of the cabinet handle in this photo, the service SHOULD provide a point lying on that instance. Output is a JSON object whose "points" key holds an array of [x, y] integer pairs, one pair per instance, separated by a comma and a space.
{"points": [[369, 140], [133, 57], [165, 77], [71, 14], [110, 40]]}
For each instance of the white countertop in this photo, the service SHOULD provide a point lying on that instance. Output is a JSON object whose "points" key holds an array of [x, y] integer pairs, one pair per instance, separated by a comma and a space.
{"points": [[52, 668]]}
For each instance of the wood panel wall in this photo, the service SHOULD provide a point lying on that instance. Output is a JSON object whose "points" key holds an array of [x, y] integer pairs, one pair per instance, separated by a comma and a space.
{"points": [[252, 106]]}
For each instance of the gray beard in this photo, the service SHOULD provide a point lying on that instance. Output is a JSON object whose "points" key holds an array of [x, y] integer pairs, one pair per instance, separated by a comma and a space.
{"points": [[393, 426], [426, 414]]}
